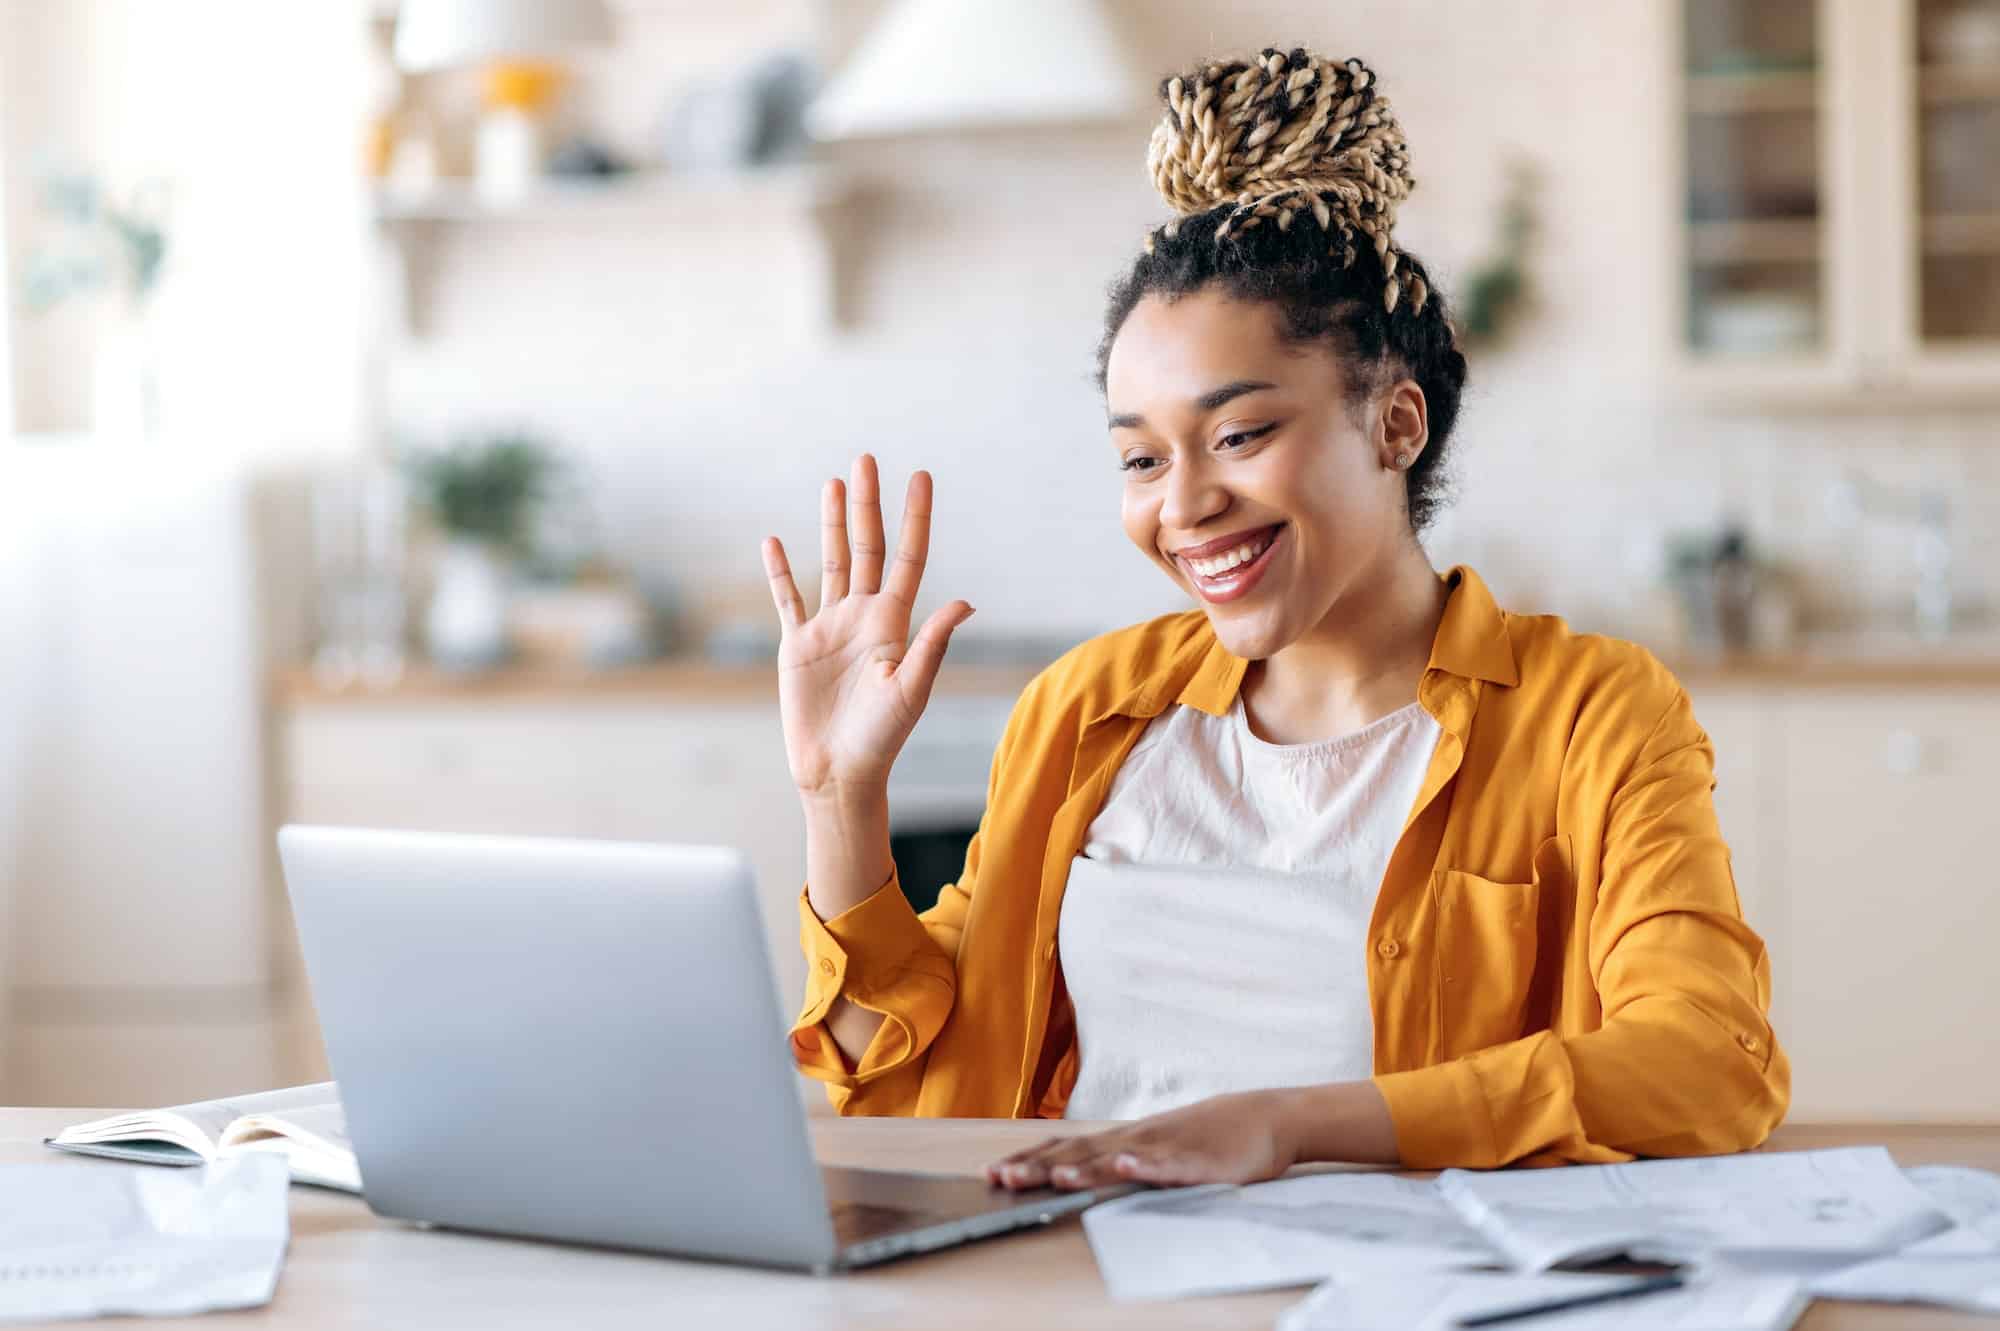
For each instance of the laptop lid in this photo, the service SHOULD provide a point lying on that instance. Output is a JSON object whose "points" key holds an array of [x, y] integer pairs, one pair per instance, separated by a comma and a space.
{"points": [[563, 1039]]}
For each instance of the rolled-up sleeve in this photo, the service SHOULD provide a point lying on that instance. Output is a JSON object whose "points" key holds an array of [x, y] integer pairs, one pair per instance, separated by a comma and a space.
{"points": [[1685, 1061], [877, 955]]}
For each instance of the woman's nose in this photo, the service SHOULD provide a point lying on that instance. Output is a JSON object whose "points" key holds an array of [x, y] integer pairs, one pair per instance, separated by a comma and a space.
{"points": [[1192, 498]]}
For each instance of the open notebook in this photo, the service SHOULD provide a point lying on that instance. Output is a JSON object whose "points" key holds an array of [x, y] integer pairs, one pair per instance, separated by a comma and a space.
{"points": [[301, 1123]]}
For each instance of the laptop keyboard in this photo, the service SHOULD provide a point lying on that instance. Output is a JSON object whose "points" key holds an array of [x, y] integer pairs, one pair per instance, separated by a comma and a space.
{"points": [[857, 1222]]}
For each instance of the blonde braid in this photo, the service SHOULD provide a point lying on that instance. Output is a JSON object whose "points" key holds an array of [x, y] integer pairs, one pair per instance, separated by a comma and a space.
{"points": [[1281, 137]]}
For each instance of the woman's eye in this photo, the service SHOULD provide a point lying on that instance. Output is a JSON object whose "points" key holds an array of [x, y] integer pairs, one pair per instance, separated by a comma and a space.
{"points": [[1138, 464], [1244, 437]]}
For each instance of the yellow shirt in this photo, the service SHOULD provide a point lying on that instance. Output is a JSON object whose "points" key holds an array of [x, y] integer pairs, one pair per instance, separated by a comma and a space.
{"points": [[1558, 966]]}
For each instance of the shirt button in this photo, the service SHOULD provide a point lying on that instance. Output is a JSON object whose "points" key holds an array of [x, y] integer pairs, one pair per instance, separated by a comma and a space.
{"points": [[826, 966], [1389, 949], [1749, 1042]]}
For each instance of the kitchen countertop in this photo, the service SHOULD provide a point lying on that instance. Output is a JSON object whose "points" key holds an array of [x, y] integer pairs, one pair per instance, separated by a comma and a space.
{"points": [[1850, 663], [666, 680]]}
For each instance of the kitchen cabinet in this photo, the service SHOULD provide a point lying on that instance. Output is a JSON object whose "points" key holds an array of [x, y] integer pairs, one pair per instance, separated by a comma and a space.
{"points": [[1855, 817], [621, 769], [1840, 200], [1895, 917]]}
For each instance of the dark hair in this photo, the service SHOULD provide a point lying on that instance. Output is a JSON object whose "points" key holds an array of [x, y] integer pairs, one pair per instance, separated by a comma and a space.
{"points": [[1285, 231]]}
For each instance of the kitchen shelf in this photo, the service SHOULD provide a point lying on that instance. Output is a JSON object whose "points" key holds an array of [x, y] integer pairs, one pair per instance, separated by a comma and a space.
{"points": [[1738, 94], [416, 223], [1939, 85], [1773, 240], [646, 193]]}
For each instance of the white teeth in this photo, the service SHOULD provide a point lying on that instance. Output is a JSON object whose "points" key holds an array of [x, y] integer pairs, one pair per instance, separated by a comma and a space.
{"points": [[1220, 564]]}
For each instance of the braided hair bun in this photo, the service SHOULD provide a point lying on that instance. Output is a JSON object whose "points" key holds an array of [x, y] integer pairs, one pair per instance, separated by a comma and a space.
{"points": [[1283, 139], [1284, 174]]}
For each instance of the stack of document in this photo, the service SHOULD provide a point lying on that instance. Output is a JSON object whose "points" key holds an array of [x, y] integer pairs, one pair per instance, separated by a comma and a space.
{"points": [[1761, 1234]]}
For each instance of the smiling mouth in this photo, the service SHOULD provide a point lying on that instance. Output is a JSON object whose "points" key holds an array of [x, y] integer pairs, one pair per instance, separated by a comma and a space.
{"points": [[1232, 572], [1219, 563]]}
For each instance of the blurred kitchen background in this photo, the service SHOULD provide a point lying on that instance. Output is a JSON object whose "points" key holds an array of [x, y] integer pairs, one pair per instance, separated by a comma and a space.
{"points": [[389, 416]]}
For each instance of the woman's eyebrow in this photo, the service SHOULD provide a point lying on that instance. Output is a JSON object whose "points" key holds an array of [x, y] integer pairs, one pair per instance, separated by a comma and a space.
{"points": [[1208, 401]]}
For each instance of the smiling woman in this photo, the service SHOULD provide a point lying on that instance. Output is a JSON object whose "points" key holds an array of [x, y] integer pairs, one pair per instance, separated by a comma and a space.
{"points": [[1345, 862]]}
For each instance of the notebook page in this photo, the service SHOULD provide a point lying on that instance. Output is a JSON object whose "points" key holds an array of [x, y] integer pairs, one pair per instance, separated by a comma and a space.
{"points": [[313, 1140], [198, 1126]]}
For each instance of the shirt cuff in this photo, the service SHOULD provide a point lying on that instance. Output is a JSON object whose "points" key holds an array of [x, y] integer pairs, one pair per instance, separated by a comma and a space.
{"points": [[879, 956], [1440, 1116]]}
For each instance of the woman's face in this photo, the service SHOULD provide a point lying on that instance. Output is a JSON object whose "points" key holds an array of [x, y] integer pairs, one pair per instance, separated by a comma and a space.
{"points": [[1248, 476]]}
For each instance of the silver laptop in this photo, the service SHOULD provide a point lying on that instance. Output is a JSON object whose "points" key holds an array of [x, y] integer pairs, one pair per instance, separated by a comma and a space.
{"points": [[581, 1041]]}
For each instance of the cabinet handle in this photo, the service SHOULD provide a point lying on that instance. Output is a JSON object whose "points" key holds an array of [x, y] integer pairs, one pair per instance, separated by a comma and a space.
{"points": [[1904, 753]]}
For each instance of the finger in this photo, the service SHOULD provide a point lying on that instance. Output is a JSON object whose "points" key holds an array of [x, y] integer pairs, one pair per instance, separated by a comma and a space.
{"points": [[1097, 1171], [918, 671], [784, 592], [1040, 1148], [864, 521], [832, 542], [1036, 1169], [914, 545]]}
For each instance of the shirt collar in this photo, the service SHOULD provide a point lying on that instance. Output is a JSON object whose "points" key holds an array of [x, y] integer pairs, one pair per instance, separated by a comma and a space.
{"points": [[1472, 642]]}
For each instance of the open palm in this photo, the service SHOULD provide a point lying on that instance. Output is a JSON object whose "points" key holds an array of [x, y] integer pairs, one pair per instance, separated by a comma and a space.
{"points": [[851, 683]]}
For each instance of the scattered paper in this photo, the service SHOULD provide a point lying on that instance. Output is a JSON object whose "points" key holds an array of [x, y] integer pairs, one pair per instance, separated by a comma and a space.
{"points": [[1437, 1300], [1851, 1203], [1971, 1197], [1294, 1231], [1959, 1268], [78, 1241]]}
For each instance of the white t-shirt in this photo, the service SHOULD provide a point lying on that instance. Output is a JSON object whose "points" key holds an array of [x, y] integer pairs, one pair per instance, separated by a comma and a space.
{"points": [[1213, 930]]}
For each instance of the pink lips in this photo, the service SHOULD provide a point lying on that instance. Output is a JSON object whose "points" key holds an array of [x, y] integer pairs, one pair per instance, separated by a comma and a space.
{"points": [[1237, 582], [1207, 549]]}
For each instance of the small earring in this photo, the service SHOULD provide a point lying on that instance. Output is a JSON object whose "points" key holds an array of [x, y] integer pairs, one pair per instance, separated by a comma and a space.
{"points": [[1403, 460]]}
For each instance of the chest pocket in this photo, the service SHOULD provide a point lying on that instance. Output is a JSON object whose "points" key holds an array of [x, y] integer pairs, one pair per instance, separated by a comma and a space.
{"points": [[1488, 945]]}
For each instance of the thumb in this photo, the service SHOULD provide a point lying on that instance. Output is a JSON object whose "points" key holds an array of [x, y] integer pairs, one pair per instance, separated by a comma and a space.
{"points": [[919, 667]]}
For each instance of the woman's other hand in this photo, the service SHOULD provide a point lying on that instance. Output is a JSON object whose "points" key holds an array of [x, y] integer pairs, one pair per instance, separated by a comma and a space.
{"points": [[851, 683], [1242, 1138]]}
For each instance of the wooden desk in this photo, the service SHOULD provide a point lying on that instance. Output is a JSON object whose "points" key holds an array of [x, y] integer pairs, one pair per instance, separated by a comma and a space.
{"points": [[348, 1269]]}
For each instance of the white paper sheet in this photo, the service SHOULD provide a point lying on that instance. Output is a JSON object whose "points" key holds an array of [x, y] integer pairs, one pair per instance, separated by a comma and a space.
{"points": [[1436, 1300], [84, 1241], [1971, 1197], [1853, 1202], [1959, 1268], [1295, 1231]]}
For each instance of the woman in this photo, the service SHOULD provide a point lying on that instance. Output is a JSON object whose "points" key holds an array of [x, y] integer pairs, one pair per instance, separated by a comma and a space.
{"points": [[1344, 864]]}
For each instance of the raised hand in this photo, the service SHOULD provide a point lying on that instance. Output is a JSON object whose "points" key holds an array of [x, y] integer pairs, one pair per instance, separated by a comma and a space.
{"points": [[851, 683]]}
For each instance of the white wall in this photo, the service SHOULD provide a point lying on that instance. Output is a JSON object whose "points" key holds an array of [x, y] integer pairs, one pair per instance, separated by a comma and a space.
{"points": [[977, 265]]}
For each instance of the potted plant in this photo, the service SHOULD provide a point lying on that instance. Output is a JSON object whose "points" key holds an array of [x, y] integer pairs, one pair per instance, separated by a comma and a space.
{"points": [[483, 495], [99, 241]]}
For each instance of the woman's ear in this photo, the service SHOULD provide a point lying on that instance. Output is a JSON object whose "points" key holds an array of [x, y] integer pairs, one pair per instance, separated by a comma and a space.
{"points": [[1404, 426]]}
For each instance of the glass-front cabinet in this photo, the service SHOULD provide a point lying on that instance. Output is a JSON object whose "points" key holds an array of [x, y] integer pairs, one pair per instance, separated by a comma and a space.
{"points": [[1840, 200], [1957, 50], [1756, 208]]}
